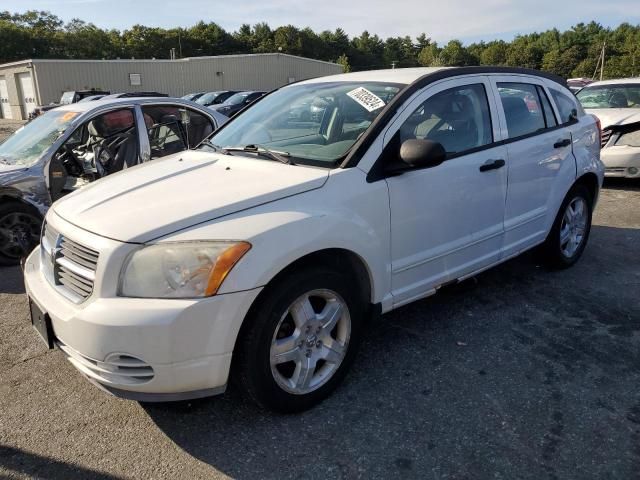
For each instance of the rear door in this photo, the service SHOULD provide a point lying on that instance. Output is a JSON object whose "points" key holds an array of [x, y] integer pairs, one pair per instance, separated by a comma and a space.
{"points": [[540, 160]]}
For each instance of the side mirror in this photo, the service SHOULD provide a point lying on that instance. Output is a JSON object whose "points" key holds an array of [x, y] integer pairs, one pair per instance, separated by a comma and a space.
{"points": [[422, 153]]}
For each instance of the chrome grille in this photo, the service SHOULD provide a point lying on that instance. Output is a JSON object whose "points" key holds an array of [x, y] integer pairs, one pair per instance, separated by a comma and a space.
{"points": [[79, 254], [69, 265], [605, 137]]}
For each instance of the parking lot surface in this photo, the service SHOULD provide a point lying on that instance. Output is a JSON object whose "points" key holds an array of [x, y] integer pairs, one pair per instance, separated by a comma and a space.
{"points": [[517, 373]]}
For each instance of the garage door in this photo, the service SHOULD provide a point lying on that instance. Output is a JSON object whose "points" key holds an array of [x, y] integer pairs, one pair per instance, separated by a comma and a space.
{"points": [[5, 108], [27, 93]]}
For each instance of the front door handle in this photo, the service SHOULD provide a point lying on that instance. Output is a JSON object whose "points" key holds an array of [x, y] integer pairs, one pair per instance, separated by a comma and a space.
{"points": [[492, 165], [562, 143]]}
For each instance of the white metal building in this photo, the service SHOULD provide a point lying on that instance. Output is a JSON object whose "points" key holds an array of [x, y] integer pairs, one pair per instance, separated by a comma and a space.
{"points": [[28, 83]]}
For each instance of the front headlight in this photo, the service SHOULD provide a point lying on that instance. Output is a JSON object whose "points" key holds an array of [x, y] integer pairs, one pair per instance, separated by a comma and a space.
{"points": [[179, 270]]}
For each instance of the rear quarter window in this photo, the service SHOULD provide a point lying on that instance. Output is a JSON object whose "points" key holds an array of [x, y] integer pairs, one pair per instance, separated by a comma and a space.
{"points": [[567, 106]]}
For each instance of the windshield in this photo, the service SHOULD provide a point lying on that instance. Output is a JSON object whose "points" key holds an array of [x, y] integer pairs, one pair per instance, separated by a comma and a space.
{"points": [[314, 123], [236, 99], [67, 98], [207, 98], [610, 96], [28, 144]]}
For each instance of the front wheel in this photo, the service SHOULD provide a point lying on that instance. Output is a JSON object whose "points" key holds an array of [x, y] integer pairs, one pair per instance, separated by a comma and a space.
{"points": [[570, 232], [300, 340]]}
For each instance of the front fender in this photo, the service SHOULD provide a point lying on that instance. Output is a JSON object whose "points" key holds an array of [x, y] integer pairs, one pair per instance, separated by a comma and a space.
{"points": [[347, 213], [26, 186]]}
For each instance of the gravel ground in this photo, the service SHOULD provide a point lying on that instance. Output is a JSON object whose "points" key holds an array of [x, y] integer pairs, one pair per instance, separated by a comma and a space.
{"points": [[518, 373]]}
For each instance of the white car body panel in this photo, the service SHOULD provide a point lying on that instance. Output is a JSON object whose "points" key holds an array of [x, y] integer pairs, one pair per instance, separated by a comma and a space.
{"points": [[413, 232], [285, 231], [615, 116], [619, 158], [187, 188]]}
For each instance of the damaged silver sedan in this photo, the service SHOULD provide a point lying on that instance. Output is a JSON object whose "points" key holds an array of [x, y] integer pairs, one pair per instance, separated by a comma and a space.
{"points": [[71, 146]]}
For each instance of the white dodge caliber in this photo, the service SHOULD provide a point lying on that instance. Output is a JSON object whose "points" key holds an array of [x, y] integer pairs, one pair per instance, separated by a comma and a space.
{"points": [[260, 256]]}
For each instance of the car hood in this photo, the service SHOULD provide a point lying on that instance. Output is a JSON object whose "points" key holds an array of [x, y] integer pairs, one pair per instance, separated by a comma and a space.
{"points": [[163, 196], [616, 116]]}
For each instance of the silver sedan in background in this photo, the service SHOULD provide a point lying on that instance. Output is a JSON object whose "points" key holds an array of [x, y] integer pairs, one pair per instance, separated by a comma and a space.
{"points": [[73, 145]]}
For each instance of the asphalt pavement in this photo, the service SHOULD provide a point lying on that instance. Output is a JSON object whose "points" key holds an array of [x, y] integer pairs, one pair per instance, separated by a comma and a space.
{"points": [[517, 373]]}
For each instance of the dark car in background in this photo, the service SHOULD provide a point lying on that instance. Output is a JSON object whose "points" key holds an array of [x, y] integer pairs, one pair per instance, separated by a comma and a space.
{"points": [[237, 102], [92, 98], [135, 95], [209, 99], [192, 97]]}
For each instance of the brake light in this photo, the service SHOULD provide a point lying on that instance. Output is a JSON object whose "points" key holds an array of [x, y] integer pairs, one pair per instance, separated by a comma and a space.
{"points": [[599, 125]]}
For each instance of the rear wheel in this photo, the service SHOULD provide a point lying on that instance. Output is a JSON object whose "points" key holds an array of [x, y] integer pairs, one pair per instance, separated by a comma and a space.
{"points": [[570, 232], [300, 340], [19, 232]]}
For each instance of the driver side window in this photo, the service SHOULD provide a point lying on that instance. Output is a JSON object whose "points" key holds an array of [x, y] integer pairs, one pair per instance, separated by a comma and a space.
{"points": [[458, 118]]}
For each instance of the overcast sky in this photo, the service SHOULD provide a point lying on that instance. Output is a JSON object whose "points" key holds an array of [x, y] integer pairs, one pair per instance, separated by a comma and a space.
{"points": [[442, 20]]}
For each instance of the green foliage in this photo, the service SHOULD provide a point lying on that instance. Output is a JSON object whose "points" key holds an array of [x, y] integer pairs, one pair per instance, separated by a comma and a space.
{"points": [[344, 61], [572, 53]]}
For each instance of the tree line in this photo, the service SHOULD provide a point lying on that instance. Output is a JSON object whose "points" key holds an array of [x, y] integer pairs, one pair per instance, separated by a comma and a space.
{"points": [[571, 53]]}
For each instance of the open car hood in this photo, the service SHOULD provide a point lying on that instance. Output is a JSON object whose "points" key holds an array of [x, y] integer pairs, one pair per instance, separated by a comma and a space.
{"points": [[157, 198]]}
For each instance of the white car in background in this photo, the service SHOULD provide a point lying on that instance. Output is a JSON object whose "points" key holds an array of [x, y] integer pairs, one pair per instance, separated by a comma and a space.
{"points": [[262, 255], [617, 104]]}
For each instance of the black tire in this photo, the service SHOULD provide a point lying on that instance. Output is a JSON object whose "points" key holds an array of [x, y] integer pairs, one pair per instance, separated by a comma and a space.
{"points": [[26, 234], [551, 250], [252, 369]]}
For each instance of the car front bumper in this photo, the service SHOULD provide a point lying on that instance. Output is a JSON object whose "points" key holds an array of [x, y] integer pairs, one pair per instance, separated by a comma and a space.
{"points": [[621, 161], [145, 349]]}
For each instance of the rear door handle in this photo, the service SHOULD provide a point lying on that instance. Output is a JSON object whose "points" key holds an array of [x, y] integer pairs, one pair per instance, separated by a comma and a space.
{"points": [[562, 143], [492, 165]]}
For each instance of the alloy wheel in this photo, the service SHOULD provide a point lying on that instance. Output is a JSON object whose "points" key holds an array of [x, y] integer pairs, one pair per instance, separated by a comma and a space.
{"points": [[310, 341], [573, 227]]}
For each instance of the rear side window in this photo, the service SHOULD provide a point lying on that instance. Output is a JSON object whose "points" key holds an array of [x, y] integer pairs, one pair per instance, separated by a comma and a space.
{"points": [[457, 118], [567, 107], [522, 108]]}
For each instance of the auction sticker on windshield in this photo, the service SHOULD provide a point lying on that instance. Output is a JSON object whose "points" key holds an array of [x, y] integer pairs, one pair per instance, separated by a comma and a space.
{"points": [[367, 99]]}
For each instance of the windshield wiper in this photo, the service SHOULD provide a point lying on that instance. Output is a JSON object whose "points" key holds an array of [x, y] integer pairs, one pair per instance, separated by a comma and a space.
{"points": [[217, 148], [278, 156]]}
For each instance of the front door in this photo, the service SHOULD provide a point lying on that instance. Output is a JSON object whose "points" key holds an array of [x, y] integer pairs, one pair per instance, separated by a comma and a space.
{"points": [[447, 220]]}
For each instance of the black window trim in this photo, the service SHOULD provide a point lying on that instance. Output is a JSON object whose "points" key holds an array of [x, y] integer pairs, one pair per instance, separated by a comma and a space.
{"points": [[541, 91], [359, 149]]}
